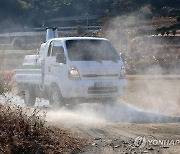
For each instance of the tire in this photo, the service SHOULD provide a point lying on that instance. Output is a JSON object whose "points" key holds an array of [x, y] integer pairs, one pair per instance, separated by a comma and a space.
{"points": [[56, 99], [29, 98]]}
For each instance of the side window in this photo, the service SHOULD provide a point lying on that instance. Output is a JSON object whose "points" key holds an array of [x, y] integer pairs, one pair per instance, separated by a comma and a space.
{"points": [[56, 50]]}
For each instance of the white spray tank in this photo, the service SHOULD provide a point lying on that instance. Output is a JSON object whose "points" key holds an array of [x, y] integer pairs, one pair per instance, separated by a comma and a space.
{"points": [[51, 32]]}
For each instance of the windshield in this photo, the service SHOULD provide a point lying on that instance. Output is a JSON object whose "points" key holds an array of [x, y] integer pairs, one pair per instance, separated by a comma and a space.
{"points": [[91, 50]]}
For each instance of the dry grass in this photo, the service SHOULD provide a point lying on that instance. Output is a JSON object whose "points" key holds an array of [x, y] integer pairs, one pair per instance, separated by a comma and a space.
{"points": [[25, 132], [5, 84], [13, 59]]}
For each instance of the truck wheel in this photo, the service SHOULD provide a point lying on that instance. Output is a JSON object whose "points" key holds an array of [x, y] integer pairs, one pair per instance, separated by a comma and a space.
{"points": [[29, 98], [56, 99]]}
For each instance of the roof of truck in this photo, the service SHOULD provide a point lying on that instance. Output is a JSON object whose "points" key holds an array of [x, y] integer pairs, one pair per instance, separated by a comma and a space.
{"points": [[78, 38]]}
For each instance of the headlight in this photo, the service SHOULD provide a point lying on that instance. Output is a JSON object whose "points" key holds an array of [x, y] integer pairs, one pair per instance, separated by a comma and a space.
{"points": [[122, 73], [74, 74]]}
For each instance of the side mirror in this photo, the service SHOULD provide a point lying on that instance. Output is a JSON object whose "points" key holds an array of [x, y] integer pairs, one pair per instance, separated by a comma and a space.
{"points": [[60, 58]]}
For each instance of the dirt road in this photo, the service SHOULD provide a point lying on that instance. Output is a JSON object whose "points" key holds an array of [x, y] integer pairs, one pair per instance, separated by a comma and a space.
{"points": [[116, 129], [119, 138], [145, 120]]}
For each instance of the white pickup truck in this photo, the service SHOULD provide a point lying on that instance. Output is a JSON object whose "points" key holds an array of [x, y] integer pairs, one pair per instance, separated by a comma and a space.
{"points": [[72, 68]]}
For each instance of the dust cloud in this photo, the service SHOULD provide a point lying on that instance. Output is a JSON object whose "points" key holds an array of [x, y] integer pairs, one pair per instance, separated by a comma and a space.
{"points": [[150, 98], [156, 94], [93, 114], [156, 87]]}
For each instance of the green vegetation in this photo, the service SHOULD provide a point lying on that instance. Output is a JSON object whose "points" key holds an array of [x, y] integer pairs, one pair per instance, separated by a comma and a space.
{"points": [[34, 12], [80, 30], [162, 32], [167, 33], [175, 26], [174, 32]]}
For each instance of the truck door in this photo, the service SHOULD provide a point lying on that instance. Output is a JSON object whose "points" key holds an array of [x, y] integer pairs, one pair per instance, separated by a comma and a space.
{"points": [[55, 72]]}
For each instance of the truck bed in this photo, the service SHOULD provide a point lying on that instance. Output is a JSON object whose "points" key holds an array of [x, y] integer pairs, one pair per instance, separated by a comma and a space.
{"points": [[33, 76]]}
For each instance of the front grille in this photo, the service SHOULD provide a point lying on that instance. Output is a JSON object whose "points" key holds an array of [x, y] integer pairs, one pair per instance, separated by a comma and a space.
{"points": [[99, 75], [102, 90]]}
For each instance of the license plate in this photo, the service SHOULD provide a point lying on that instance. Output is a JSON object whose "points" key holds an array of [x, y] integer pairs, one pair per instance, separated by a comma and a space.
{"points": [[103, 84]]}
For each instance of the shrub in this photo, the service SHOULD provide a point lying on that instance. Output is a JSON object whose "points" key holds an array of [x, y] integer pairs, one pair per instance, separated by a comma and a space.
{"points": [[162, 32], [178, 19], [167, 32], [156, 32], [174, 32], [80, 30], [4, 86], [24, 131]]}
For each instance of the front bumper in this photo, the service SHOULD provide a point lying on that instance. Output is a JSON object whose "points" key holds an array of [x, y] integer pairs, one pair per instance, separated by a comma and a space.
{"points": [[87, 88]]}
